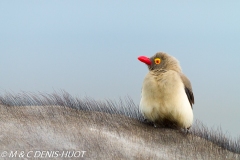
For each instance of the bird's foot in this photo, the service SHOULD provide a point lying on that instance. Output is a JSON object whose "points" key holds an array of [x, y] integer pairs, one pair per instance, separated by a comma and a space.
{"points": [[186, 130], [146, 120]]}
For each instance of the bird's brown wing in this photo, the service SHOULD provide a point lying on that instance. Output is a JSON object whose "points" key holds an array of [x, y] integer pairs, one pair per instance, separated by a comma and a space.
{"points": [[188, 88]]}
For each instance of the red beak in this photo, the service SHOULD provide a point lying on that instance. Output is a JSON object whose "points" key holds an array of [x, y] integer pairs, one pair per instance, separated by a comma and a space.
{"points": [[144, 60]]}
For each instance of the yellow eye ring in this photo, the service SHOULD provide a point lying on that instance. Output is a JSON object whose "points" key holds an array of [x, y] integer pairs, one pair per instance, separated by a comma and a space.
{"points": [[157, 60]]}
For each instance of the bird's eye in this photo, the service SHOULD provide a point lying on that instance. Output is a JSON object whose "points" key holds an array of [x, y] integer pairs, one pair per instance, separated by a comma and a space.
{"points": [[157, 60]]}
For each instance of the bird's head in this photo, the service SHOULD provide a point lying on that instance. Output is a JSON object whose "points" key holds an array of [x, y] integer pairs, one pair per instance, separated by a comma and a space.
{"points": [[161, 61]]}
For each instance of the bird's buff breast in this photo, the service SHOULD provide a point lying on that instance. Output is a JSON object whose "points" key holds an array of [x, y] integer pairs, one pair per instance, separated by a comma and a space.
{"points": [[164, 97]]}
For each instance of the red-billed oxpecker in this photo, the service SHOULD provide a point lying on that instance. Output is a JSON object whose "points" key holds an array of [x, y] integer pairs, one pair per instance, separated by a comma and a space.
{"points": [[167, 96]]}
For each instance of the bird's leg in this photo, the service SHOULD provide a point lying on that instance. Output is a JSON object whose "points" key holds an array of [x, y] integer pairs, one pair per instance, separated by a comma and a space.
{"points": [[155, 125], [145, 120], [150, 122], [186, 130]]}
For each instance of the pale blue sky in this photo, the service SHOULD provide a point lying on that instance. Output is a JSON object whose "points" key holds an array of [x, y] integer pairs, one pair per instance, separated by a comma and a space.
{"points": [[90, 48]]}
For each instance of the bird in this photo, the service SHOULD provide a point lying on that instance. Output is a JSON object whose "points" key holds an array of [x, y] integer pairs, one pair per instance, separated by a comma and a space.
{"points": [[167, 97]]}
